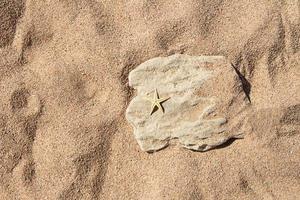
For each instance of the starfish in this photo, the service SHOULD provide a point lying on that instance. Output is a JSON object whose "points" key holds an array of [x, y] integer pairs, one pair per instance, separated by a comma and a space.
{"points": [[156, 102]]}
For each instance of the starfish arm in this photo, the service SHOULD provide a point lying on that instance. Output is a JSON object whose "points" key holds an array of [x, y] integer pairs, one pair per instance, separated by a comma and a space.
{"points": [[153, 105], [152, 108], [156, 94], [163, 99], [160, 107]]}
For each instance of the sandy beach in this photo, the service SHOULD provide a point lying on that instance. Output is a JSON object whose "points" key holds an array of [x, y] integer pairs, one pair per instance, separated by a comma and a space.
{"points": [[64, 91]]}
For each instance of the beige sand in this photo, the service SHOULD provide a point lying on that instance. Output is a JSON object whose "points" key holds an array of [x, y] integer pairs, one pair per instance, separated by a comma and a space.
{"points": [[64, 90]]}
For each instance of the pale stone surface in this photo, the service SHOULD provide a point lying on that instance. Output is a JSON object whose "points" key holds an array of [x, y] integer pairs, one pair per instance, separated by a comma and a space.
{"points": [[206, 106]]}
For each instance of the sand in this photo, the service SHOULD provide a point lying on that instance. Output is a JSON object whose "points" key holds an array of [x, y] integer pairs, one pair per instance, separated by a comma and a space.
{"points": [[64, 90]]}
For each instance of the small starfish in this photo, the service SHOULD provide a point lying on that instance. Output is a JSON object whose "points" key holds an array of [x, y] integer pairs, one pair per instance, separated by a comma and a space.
{"points": [[156, 102]]}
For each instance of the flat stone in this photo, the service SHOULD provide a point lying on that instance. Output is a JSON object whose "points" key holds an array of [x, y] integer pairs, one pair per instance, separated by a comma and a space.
{"points": [[206, 105]]}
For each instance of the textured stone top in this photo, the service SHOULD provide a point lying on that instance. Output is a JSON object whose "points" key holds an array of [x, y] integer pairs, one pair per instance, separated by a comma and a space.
{"points": [[205, 107]]}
